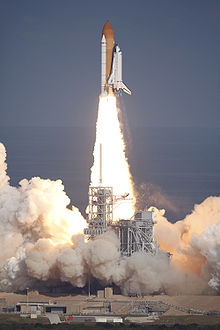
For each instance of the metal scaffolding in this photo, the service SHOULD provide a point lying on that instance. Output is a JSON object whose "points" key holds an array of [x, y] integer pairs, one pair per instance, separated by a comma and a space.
{"points": [[100, 210], [137, 234]]}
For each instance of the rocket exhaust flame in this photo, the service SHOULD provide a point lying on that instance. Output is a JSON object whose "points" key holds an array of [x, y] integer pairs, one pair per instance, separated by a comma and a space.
{"points": [[115, 168]]}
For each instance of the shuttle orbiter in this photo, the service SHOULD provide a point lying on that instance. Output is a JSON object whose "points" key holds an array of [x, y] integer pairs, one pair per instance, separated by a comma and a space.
{"points": [[111, 64]]}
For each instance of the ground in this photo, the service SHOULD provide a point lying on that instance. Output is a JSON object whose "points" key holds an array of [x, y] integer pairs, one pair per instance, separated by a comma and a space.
{"points": [[8, 322], [175, 318]]}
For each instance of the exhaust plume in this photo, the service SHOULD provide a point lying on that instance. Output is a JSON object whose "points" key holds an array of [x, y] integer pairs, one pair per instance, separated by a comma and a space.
{"points": [[115, 168]]}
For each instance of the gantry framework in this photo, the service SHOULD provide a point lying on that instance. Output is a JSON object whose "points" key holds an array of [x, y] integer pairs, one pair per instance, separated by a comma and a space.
{"points": [[137, 234], [100, 214]]}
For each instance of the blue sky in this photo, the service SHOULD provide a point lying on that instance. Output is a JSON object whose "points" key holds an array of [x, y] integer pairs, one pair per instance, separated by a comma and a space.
{"points": [[50, 61]]}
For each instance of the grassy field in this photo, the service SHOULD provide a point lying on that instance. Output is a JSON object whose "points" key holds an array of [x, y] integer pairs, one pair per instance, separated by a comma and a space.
{"points": [[17, 326], [189, 319], [12, 321]]}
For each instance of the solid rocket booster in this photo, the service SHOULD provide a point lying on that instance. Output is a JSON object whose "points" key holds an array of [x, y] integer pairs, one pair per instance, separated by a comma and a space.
{"points": [[111, 64]]}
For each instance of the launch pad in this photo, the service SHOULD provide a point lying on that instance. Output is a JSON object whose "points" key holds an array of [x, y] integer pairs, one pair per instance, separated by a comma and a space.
{"points": [[135, 234]]}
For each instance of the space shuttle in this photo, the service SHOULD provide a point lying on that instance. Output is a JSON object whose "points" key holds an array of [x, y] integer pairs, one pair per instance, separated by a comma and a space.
{"points": [[111, 64]]}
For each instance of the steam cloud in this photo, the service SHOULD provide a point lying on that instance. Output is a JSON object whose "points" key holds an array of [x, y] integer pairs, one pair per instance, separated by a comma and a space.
{"points": [[41, 241]]}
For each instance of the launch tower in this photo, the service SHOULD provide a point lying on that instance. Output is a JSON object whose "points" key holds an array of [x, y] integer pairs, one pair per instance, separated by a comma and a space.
{"points": [[137, 234], [100, 210]]}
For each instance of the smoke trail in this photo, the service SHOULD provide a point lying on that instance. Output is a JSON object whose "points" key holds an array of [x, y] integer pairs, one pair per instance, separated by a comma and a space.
{"points": [[115, 168], [151, 194]]}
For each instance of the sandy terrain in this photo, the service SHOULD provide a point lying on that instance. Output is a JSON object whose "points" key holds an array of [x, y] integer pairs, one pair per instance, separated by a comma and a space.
{"points": [[203, 303]]}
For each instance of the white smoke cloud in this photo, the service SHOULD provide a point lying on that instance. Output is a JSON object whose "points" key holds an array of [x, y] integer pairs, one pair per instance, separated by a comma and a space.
{"points": [[41, 241], [34, 223], [3, 167], [194, 241], [208, 244], [71, 264], [102, 255]]}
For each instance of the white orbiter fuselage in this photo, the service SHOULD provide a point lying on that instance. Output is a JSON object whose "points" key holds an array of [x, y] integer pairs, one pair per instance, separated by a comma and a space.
{"points": [[111, 64]]}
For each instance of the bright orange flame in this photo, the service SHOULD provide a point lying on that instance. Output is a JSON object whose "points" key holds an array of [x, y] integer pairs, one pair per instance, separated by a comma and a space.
{"points": [[63, 224], [115, 168]]}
